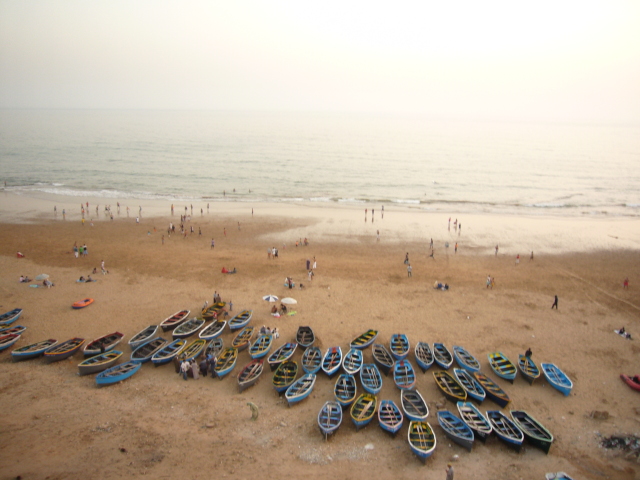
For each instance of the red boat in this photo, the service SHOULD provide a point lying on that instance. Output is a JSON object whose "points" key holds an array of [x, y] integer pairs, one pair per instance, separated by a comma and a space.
{"points": [[633, 382]]}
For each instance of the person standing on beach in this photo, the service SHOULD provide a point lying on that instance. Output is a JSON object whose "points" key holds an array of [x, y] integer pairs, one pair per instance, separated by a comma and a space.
{"points": [[365, 214], [459, 228], [162, 239], [308, 264], [315, 264], [431, 244], [555, 303], [409, 270], [455, 249], [378, 235], [184, 368], [383, 212], [213, 244], [496, 250], [625, 284], [517, 259], [449, 471], [488, 281], [137, 220], [449, 226], [225, 231], [406, 259]]}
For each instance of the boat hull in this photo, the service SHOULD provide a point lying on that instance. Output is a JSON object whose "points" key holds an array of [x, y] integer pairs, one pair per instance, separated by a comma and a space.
{"points": [[390, 417], [506, 430], [363, 410], [422, 440], [442, 356], [250, 374], [365, 339], [9, 317], [300, 389], [454, 428], [118, 373], [32, 351], [312, 360], [557, 378], [99, 363], [424, 356], [329, 418]]}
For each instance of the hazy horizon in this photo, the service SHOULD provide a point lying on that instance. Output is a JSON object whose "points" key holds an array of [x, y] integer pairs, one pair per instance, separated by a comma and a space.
{"points": [[498, 61]]}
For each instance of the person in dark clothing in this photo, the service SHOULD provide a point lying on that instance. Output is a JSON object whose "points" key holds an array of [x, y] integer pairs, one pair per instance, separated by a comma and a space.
{"points": [[555, 303]]}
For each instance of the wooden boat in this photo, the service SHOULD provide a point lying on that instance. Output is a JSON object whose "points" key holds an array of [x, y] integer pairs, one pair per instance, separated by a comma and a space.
{"points": [[300, 389], [174, 320], [390, 417], [528, 368], [492, 390], [34, 350], [63, 350], [633, 382], [213, 330], [240, 320], [456, 429], [450, 387], [118, 373], [7, 340], [169, 352], [15, 330], [99, 362], [364, 339], [188, 328], [557, 378], [363, 410], [329, 418], [213, 311], [312, 360], [345, 389], [502, 366], [534, 432], [413, 405], [422, 440], [465, 359], [102, 344], [214, 347], [243, 339], [331, 361], [9, 317], [404, 376], [82, 303], [249, 375], [470, 384], [226, 362], [143, 336], [370, 378], [442, 356], [260, 348], [382, 358], [424, 356], [282, 354], [194, 349], [475, 420], [147, 350], [505, 429], [305, 337], [285, 375], [352, 362], [399, 346]]}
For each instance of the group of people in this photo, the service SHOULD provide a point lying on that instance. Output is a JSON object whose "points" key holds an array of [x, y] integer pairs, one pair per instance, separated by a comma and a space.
{"points": [[491, 282], [272, 252], [24, 279], [194, 369], [283, 310], [80, 251], [264, 330], [88, 279], [624, 333]]}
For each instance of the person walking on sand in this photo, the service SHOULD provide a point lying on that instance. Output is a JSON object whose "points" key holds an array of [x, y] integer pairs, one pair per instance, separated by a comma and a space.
{"points": [[213, 243], [517, 259], [625, 284], [531, 257], [555, 303], [377, 235], [184, 368], [449, 471], [488, 281], [409, 270], [195, 369], [308, 264], [493, 282], [455, 250], [496, 250], [449, 226], [315, 264], [431, 244], [406, 259]]}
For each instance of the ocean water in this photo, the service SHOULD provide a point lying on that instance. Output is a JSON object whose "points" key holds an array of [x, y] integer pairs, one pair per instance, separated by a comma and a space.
{"points": [[435, 165]]}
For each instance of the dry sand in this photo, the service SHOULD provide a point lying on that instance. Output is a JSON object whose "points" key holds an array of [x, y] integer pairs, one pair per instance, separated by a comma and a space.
{"points": [[58, 425]]}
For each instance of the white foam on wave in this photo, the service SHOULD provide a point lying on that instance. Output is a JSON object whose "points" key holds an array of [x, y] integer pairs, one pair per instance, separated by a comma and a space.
{"points": [[412, 202]]}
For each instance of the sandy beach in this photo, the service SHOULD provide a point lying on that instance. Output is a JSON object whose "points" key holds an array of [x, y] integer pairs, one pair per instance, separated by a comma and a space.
{"points": [[59, 425]]}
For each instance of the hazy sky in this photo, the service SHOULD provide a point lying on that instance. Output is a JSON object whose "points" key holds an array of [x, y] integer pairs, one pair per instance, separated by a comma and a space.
{"points": [[556, 60]]}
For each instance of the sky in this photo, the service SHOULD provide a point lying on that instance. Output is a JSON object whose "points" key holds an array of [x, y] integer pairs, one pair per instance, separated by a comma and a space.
{"points": [[543, 60]]}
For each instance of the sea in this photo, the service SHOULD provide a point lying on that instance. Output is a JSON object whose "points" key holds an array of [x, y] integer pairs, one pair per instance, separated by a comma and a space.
{"points": [[439, 165]]}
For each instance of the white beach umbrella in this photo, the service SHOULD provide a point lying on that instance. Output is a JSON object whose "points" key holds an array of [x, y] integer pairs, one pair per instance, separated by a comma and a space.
{"points": [[289, 301], [270, 298], [42, 276]]}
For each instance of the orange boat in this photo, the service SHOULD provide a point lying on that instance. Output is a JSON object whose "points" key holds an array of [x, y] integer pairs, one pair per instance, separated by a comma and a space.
{"points": [[82, 303]]}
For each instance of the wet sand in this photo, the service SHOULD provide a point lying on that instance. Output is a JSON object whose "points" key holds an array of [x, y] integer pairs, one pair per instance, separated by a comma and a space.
{"points": [[158, 425]]}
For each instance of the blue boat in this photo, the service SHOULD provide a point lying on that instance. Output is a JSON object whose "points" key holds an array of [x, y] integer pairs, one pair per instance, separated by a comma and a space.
{"points": [[331, 361], [465, 359], [34, 350], [422, 440], [413, 405], [226, 362], [148, 349], [168, 352], [261, 346], [424, 356], [382, 358], [470, 384], [16, 330], [241, 320], [63, 350], [390, 417], [118, 373], [243, 339], [557, 378], [213, 330], [329, 418], [285, 375], [506, 429], [9, 317], [442, 356], [352, 362], [312, 360], [365, 339], [502, 366], [7, 340], [99, 362], [282, 354], [404, 375], [399, 346], [363, 410], [370, 378], [528, 368], [300, 389], [345, 389], [193, 350], [456, 429], [474, 418]]}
